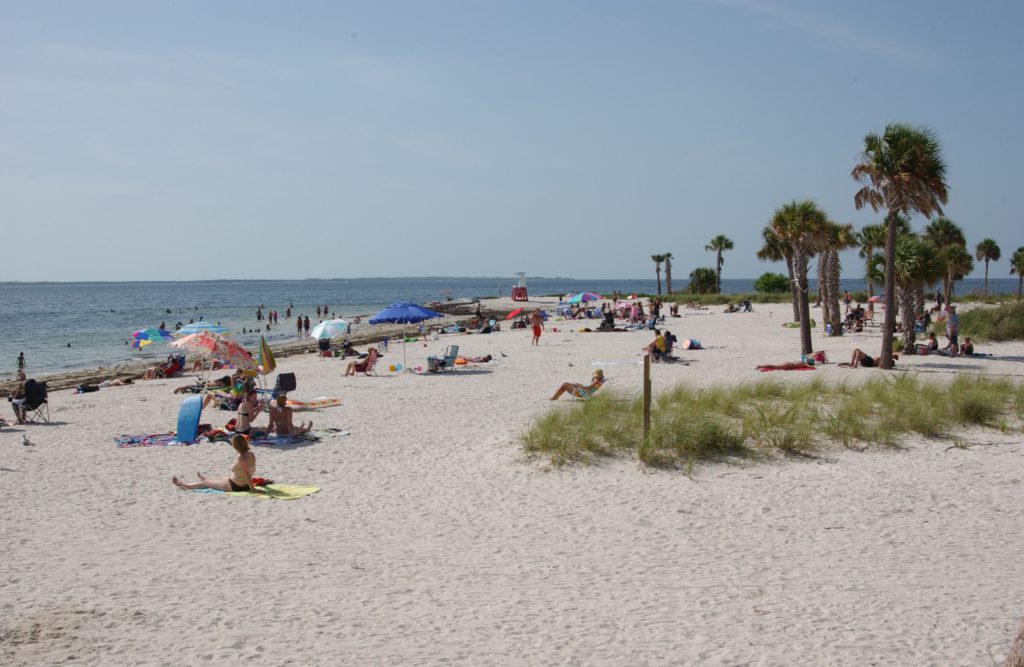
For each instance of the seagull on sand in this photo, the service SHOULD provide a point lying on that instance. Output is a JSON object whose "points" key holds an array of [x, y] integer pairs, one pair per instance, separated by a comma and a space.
{"points": [[25, 441]]}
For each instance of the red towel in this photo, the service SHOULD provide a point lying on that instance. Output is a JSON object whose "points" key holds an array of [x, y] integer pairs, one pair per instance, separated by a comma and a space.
{"points": [[788, 366]]}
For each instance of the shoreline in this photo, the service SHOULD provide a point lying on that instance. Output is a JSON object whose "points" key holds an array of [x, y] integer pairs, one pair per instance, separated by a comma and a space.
{"points": [[455, 312]]}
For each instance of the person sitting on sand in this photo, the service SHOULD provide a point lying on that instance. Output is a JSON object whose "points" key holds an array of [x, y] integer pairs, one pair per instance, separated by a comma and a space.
{"points": [[240, 478], [967, 347], [281, 419], [580, 390], [656, 348], [247, 410], [930, 346]]}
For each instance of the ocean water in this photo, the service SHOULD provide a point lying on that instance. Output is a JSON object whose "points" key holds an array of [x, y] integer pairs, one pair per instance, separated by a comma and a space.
{"points": [[69, 326]]}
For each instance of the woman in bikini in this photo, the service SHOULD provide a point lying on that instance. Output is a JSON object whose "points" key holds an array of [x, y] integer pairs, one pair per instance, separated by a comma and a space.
{"points": [[247, 411], [580, 390], [281, 419], [240, 478]]}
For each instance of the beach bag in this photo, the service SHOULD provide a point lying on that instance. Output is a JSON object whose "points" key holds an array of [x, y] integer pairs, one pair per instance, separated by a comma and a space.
{"points": [[820, 357]]}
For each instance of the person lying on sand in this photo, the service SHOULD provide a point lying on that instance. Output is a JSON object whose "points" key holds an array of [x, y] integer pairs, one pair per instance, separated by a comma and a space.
{"points": [[281, 419], [240, 478], [859, 358], [580, 390]]}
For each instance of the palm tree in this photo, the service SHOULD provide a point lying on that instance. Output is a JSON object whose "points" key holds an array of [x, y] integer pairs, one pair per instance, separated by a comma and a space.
{"points": [[718, 245], [802, 226], [837, 238], [775, 249], [918, 264], [658, 259], [668, 272], [944, 233], [872, 238], [1017, 266], [987, 251], [903, 172], [958, 264]]}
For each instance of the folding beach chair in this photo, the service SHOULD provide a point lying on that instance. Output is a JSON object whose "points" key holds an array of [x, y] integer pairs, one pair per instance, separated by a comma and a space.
{"points": [[37, 406], [448, 361], [366, 365]]}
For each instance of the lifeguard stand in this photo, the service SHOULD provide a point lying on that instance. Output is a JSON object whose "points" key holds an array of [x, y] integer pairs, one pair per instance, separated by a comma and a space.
{"points": [[519, 291]]}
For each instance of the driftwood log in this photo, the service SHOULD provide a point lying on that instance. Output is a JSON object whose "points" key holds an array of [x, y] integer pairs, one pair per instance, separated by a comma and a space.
{"points": [[1016, 655]]}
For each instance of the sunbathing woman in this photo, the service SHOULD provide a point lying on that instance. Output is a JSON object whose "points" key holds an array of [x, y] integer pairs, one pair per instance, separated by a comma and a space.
{"points": [[862, 359], [240, 478], [579, 390], [281, 419]]}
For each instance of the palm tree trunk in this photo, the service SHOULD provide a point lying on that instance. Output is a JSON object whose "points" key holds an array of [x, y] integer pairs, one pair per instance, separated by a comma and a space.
{"points": [[806, 346], [793, 290], [948, 289], [718, 272], [834, 269], [986, 277], [822, 299], [658, 272], [668, 276], [907, 317], [890, 290]]}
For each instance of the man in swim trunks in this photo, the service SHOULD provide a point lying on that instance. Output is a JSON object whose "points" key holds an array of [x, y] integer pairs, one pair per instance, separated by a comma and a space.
{"points": [[240, 478], [537, 324]]}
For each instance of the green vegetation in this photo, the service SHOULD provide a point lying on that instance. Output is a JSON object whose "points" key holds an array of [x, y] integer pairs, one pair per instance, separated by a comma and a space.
{"points": [[718, 245], [702, 281], [753, 420], [994, 324], [772, 283]]}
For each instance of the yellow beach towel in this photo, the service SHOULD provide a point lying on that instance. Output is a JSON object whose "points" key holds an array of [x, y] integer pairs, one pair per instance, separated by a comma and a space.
{"points": [[278, 491]]}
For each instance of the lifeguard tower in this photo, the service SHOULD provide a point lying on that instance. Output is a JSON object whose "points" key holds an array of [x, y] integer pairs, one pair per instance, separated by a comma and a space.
{"points": [[519, 291]]}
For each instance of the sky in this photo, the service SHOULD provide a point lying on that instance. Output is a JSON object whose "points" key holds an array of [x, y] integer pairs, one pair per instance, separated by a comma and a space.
{"points": [[248, 139]]}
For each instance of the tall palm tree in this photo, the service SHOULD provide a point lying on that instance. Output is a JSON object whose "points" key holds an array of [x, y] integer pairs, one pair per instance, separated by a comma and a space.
{"points": [[1017, 266], [958, 264], [718, 245], [837, 238], [668, 272], [903, 171], [658, 259], [987, 251], [944, 233], [802, 226]]}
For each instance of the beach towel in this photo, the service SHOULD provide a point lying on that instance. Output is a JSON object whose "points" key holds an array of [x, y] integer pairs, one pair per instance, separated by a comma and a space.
{"points": [[788, 366], [154, 440], [272, 492], [315, 404], [310, 436]]}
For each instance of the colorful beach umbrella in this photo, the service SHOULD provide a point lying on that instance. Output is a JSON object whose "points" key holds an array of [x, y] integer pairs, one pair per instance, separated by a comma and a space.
{"points": [[201, 343], [144, 337], [584, 297], [329, 329], [266, 358]]}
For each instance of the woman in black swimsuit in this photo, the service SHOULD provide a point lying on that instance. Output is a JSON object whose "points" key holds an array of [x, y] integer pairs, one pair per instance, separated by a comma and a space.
{"points": [[240, 478], [247, 411]]}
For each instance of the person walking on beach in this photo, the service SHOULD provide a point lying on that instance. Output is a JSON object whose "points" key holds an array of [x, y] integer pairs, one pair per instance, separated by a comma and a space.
{"points": [[846, 300], [537, 324], [21, 361], [305, 324], [952, 330], [298, 325]]}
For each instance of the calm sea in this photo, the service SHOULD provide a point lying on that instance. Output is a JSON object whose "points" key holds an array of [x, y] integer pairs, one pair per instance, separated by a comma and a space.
{"points": [[68, 326]]}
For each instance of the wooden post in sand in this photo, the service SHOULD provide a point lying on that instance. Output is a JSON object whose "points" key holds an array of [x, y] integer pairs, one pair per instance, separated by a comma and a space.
{"points": [[647, 395]]}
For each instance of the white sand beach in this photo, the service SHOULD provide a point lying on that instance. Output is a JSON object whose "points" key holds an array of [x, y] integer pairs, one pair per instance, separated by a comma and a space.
{"points": [[435, 540]]}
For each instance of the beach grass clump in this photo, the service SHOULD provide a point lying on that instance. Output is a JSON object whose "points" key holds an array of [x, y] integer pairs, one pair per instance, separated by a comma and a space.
{"points": [[1005, 322], [761, 419]]}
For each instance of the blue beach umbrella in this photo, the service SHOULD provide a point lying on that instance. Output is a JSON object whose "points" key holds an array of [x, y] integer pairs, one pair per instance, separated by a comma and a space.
{"points": [[196, 327], [403, 313], [144, 337]]}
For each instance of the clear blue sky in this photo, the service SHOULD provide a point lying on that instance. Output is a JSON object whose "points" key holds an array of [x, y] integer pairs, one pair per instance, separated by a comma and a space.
{"points": [[345, 139]]}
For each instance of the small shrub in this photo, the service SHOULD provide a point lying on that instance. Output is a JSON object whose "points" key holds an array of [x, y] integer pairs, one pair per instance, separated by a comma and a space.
{"points": [[772, 283]]}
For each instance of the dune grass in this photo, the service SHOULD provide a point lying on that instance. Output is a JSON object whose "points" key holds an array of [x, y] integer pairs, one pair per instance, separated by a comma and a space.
{"points": [[752, 420], [1004, 322]]}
